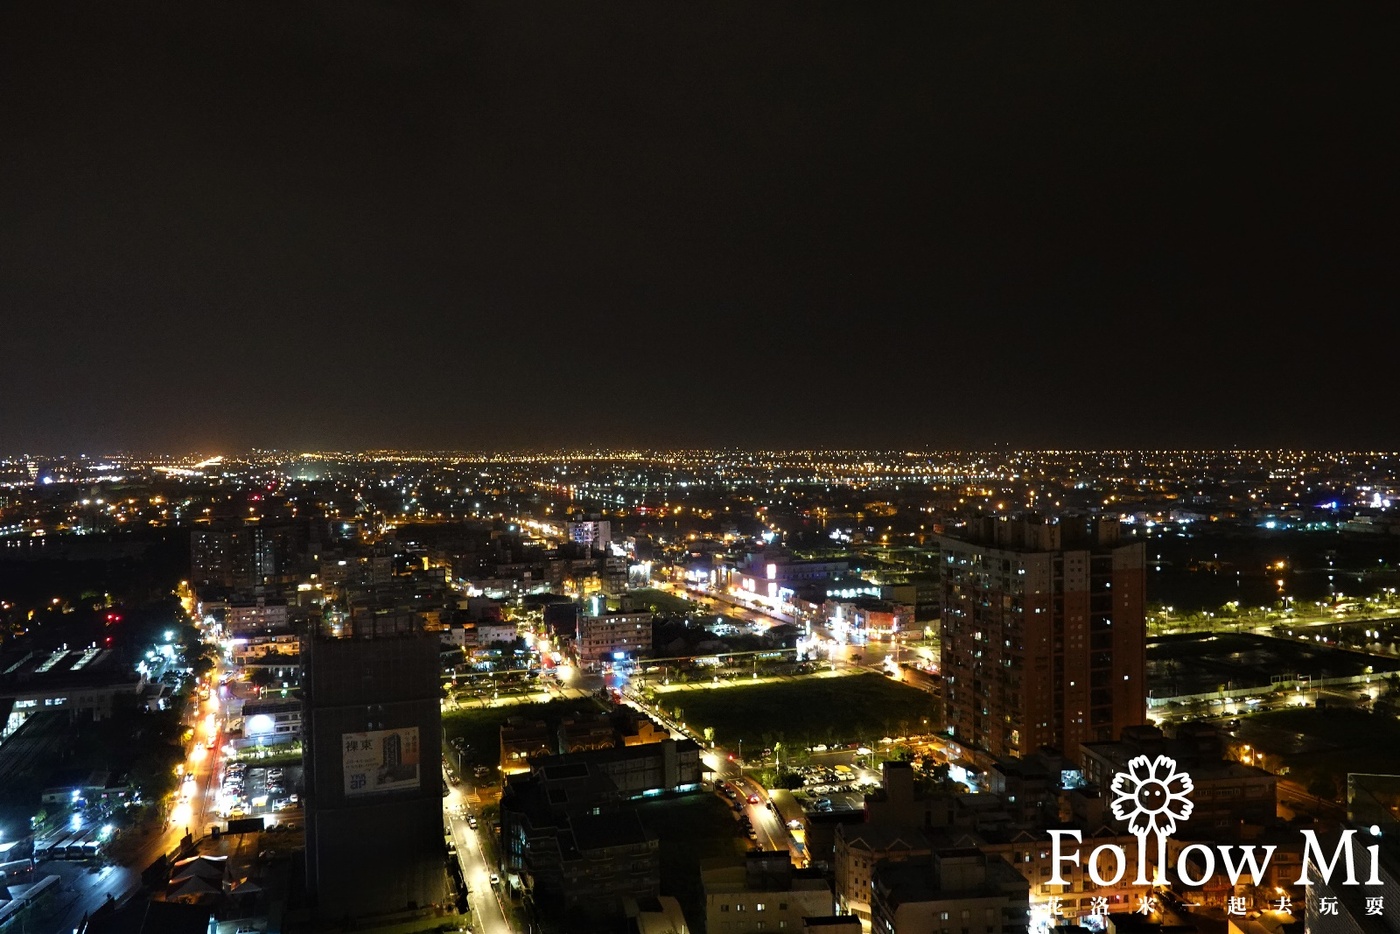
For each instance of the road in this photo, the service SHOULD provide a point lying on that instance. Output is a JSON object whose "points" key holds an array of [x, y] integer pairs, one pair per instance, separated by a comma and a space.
{"points": [[489, 915], [725, 602], [769, 828], [1297, 799], [128, 855], [1163, 626], [870, 657], [772, 834]]}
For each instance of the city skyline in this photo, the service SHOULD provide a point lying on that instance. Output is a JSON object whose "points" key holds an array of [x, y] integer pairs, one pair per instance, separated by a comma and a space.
{"points": [[834, 684], [724, 468], [371, 225]]}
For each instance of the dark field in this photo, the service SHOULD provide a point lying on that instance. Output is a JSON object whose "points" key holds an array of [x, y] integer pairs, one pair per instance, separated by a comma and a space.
{"points": [[859, 708], [1317, 748], [1198, 663]]}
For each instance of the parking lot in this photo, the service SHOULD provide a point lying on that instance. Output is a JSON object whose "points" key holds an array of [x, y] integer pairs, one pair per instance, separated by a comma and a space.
{"points": [[254, 791], [833, 787]]}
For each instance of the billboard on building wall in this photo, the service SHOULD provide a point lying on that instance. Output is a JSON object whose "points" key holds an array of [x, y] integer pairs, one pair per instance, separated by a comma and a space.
{"points": [[384, 760]]}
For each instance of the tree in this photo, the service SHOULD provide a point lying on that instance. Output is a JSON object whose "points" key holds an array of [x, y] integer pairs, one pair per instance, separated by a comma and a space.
{"points": [[507, 650], [930, 777], [154, 773], [20, 799], [790, 780]]}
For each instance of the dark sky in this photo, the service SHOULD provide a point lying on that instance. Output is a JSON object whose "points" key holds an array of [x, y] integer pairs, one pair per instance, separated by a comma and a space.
{"points": [[353, 224]]}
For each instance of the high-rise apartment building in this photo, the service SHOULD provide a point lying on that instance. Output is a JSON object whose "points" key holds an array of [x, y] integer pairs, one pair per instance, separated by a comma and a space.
{"points": [[595, 533], [1043, 633], [373, 748], [243, 556]]}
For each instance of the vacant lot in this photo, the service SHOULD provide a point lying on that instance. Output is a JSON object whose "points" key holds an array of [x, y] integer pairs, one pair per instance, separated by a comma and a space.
{"points": [[665, 602], [1202, 662], [806, 711], [1319, 747]]}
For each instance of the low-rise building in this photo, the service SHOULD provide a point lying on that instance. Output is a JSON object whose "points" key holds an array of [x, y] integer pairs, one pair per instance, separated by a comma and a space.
{"points": [[570, 840], [957, 890], [266, 647], [610, 636], [670, 766], [72, 787], [867, 619], [525, 741], [859, 848], [660, 915], [487, 633], [764, 895], [259, 616], [268, 722], [1231, 800], [84, 682]]}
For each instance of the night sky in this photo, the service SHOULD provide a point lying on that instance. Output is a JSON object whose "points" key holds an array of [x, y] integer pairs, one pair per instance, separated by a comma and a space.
{"points": [[358, 224]]}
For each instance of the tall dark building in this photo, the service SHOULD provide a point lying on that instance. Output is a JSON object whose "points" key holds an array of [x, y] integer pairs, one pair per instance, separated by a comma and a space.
{"points": [[1043, 634], [242, 554], [373, 750], [212, 557]]}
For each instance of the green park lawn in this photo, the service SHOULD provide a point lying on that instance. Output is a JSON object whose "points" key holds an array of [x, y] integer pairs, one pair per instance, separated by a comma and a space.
{"points": [[805, 711]]}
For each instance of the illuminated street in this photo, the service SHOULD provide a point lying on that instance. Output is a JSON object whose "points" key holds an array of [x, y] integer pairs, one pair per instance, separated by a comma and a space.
{"points": [[488, 910]]}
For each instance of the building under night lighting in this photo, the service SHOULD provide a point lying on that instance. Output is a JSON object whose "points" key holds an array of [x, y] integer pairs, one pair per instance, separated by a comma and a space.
{"points": [[373, 752], [1043, 634]]}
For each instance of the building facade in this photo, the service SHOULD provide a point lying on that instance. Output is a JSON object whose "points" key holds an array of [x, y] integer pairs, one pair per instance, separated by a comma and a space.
{"points": [[570, 840], [256, 617], [859, 849], [1043, 634], [612, 636], [372, 753], [269, 722], [764, 895], [956, 891], [595, 533]]}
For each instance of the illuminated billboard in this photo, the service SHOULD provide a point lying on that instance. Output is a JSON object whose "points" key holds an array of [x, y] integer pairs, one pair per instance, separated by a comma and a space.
{"points": [[384, 760]]}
